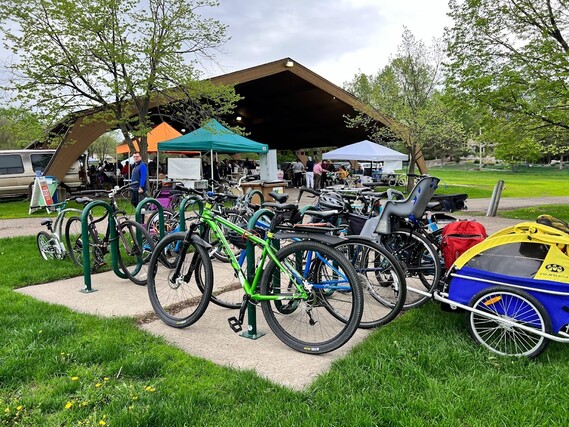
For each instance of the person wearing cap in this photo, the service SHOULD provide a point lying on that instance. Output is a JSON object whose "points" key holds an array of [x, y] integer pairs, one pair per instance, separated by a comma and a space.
{"points": [[310, 173]]}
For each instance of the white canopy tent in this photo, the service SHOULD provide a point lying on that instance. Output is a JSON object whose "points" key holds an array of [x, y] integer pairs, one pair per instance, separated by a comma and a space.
{"points": [[368, 151]]}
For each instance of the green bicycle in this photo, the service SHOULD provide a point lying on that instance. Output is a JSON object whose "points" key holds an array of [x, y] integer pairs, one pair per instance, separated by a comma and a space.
{"points": [[310, 294]]}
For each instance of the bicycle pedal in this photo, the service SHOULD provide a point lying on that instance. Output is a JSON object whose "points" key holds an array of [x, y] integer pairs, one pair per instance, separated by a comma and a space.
{"points": [[235, 324]]}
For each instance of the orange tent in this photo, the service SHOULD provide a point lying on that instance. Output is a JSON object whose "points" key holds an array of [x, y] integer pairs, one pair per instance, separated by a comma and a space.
{"points": [[162, 132]]}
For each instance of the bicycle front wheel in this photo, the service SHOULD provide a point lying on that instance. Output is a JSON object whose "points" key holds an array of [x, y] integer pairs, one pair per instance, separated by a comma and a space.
{"points": [[382, 278], [135, 248], [179, 289], [420, 261], [307, 324]]}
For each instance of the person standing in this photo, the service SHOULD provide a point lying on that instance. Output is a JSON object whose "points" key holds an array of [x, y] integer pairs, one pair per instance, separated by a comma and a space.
{"points": [[310, 173], [318, 176], [297, 170], [139, 177]]}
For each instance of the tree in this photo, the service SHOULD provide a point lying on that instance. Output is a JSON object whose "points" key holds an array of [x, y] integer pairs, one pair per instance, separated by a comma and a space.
{"points": [[105, 145], [513, 56], [407, 89], [18, 128], [116, 57]]}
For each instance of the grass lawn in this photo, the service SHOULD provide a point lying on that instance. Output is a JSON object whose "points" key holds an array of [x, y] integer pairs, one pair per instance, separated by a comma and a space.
{"points": [[58, 367]]}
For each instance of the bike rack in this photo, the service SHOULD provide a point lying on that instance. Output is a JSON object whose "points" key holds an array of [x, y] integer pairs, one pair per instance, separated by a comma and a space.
{"points": [[183, 204], [252, 193], [151, 201], [85, 248], [252, 332]]}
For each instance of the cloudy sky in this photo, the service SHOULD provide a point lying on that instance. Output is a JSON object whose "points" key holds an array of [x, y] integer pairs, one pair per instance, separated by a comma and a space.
{"points": [[334, 38]]}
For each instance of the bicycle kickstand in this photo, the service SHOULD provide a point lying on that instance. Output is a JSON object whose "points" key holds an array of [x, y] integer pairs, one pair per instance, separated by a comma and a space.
{"points": [[236, 324]]}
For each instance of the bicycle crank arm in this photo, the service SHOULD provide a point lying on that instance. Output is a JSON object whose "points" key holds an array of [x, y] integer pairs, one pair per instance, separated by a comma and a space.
{"points": [[235, 324]]}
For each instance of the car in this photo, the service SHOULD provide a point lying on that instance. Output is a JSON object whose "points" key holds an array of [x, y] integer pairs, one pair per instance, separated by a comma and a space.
{"points": [[18, 170]]}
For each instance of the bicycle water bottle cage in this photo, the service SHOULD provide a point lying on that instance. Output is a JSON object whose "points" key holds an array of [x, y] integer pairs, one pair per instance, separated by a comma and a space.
{"points": [[413, 206]]}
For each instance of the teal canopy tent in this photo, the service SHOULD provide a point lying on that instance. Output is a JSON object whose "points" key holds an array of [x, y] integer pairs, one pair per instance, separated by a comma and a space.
{"points": [[213, 137]]}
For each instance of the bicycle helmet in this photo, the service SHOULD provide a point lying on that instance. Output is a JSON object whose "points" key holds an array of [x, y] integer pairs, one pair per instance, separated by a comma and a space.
{"points": [[331, 201]]}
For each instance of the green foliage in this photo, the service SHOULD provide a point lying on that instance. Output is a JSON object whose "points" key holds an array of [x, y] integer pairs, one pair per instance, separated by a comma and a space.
{"points": [[407, 89], [117, 57], [513, 58], [18, 128]]}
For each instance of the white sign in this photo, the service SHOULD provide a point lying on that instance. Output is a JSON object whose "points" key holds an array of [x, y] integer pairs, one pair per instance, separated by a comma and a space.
{"points": [[184, 169]]}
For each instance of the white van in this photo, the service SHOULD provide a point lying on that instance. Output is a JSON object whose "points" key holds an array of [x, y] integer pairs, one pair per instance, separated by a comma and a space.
{"points": [[18, 170]]}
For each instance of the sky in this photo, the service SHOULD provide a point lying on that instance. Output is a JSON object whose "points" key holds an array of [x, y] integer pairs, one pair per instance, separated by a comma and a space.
{"points": [[334, 38]]}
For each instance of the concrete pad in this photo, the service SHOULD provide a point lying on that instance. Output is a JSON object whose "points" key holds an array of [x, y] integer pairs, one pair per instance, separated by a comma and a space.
{"points": [[210, 338], [112, 297]]}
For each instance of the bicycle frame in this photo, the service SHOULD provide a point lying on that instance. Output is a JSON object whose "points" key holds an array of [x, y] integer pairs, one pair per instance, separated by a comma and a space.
{"points": [[268, 251]]}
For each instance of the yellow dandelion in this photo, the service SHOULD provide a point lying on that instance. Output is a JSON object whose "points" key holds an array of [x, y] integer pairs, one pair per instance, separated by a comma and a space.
{"points": [[7, 410], [102, 423], [134, 397], [98, 385], [149, 388], [74, 378], [69, 405], [106, 379], [19, 408]]}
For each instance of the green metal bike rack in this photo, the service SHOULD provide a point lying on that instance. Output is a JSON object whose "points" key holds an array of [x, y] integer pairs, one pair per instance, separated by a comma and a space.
{"points": [[252, 193], [252, 332], [85, 248], [151, 201]]}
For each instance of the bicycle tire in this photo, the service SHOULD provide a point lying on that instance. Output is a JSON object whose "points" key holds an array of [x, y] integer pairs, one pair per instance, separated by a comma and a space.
{"points": [[181, 303], [383, 280], [135, 248], [515, 305], [47, 247], [306, 325], [153, 222], [74, 243], [420, 262]]}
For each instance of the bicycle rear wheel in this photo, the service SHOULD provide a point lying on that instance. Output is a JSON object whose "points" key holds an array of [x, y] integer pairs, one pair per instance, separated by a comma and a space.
{"points": [[383, 280], [307, 325], [179, 289], [135, 248], [49, 249], [420, 262]]}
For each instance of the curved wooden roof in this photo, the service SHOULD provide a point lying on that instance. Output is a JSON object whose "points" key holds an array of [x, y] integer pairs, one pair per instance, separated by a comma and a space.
{"points": [[284, 105]]}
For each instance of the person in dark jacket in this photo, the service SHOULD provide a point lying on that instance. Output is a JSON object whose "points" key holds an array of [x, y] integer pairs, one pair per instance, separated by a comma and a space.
{"points": [[139, 178]]}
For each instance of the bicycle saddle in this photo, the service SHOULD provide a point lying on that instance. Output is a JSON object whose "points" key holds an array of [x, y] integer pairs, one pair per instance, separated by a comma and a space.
{"points": [[279, 197]]}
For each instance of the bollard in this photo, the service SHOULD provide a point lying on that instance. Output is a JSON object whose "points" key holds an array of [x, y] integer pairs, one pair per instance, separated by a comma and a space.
{"points": [[495, 200]]}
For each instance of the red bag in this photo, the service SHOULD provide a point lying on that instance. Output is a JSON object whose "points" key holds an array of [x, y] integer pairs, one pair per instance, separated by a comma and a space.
{"points": [[458, 237]]}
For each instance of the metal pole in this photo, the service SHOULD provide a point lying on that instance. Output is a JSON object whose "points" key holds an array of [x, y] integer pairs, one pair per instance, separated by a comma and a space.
{"points": [[495, 200]]}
